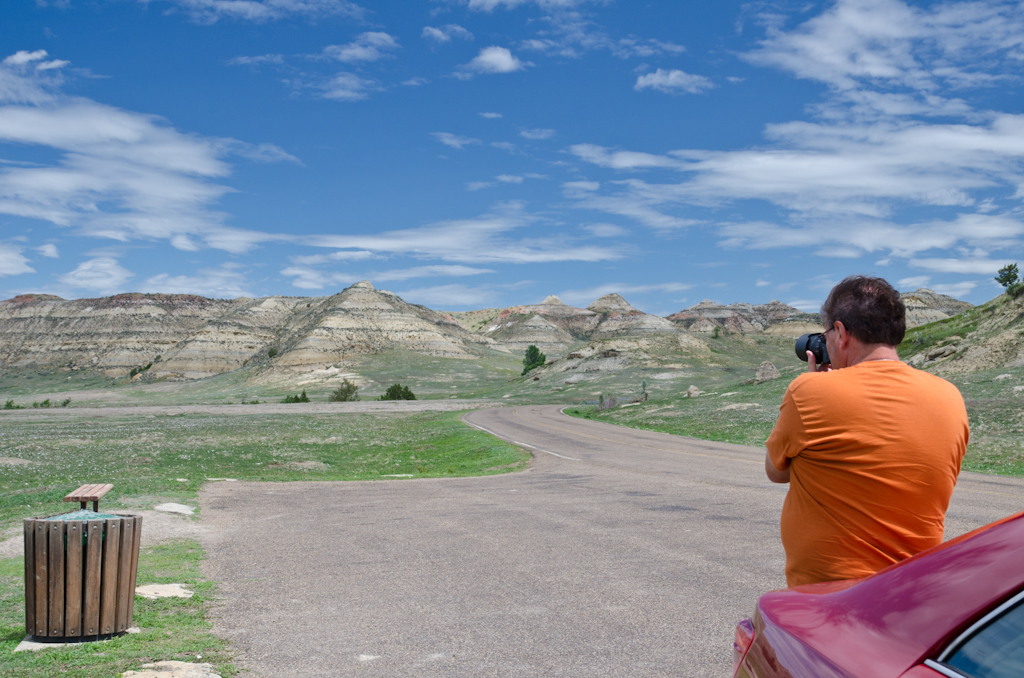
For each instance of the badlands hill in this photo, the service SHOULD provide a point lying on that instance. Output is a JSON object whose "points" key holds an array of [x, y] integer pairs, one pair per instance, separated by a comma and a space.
{"points": [[982, 337], [190, 337], [775, 318]]}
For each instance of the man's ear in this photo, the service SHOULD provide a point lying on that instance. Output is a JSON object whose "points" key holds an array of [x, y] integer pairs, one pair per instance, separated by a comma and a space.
{"points": [[841, 330]]}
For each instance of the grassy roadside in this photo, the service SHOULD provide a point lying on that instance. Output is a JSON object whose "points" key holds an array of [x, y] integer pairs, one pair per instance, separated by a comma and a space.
{"points": [[155, 459], [172, 628], [746, 414]]}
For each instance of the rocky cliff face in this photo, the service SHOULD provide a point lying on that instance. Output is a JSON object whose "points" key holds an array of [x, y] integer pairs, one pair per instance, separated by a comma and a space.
{"points": [[773, 318], [552, 325], [925, 306], [191, 337]]}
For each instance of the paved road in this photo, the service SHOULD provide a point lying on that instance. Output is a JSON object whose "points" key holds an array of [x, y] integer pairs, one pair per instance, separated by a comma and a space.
{"points": [[618, 553]]}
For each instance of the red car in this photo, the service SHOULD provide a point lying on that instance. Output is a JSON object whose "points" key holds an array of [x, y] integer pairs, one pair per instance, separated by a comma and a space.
{"points": [[955, 610]]}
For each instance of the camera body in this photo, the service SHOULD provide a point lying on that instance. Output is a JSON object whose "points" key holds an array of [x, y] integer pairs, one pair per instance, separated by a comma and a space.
{"points": [[815, 343]]}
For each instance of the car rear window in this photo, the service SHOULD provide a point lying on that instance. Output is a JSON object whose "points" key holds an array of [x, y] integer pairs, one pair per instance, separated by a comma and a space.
{"points": [[996, 651]]}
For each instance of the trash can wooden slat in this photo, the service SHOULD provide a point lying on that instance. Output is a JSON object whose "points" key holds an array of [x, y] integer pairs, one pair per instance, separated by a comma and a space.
{"points": [[80, 575]]}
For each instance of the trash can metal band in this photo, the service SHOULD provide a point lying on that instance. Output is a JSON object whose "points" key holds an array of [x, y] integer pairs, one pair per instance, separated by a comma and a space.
{"points": [[80, 576]]}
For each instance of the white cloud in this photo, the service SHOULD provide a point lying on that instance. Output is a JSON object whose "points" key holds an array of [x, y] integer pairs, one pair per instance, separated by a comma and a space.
{"points": [[445, 33], [478, 185], [340, 255], [762, 283], [481, 240], [118, 174], [605, 230], [505, 146], [492, 60], [491, 5], [48, 250], [369, 46], [446, 296], [12, 262], [416, 82], [601, 156], [509, 179], [969, 265], [537, 133], [441, 271], [454, 140], [673, 82], [223, 282], [102, 274], [348, 87], [913, 282], [490, 115], [259, 11], [276, 59], [312, 279], [22, 57], [587, 296], [960, 289]]}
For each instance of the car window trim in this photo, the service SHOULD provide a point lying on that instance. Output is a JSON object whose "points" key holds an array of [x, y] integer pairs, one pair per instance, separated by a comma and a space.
{"points": [[943, 669], [978, 625]]}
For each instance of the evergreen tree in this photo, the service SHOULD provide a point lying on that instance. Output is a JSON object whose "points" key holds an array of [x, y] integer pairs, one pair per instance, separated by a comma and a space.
{"points": [[534, 358]]}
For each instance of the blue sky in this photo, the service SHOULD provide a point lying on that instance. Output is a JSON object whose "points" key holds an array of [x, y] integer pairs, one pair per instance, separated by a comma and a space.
{"points": [[477, 153]]}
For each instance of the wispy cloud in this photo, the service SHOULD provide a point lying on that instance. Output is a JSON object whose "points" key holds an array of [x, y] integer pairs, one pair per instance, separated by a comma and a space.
{"points": [[223, 282], [537, 134], [485, 239], [448, 296], [673, 82], [13, 262], [276, 59], [445, 33], [369, 46], [348, 87], [48, 250], [454, 140], [102, 274], [490, 115], [118, 174], [260, 11]]}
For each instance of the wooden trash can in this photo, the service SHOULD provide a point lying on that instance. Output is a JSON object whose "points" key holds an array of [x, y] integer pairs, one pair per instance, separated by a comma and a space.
{"points": [[80, 571]]}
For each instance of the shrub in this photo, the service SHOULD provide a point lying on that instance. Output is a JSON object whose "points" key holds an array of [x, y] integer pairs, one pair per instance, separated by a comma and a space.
{"points": [[533, 359], [347, 392], [398, 392], [272, 351], [301, 398], [65, 402], [9, 405]]}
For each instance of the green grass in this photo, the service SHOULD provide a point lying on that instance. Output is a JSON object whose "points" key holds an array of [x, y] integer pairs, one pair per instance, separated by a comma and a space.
{"points": [[995, 413], [172, 628], [145, 457]]}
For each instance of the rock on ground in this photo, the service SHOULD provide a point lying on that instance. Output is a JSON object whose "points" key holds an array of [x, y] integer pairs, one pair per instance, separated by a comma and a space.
{"points": [[766, 371], [173, 669]]}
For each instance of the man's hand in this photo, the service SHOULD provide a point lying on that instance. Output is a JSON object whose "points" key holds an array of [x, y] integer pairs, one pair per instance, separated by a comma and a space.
{"points": [[774, 474], [812, 365]]}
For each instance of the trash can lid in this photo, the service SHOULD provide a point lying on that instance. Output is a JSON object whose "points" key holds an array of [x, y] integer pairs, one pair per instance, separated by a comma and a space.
{"points": [[84, 514]]}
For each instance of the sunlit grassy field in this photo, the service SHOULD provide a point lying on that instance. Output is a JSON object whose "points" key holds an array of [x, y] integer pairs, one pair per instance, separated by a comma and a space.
{"points": [[745, 414], [156, 458]]}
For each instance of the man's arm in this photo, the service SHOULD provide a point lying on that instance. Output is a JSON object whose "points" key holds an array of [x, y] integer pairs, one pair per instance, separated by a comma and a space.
{"points": [[774, 474]]}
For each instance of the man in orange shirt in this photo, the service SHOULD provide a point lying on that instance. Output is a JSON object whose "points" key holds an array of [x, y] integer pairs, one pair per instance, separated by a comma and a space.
{"points": [[870, 446]]}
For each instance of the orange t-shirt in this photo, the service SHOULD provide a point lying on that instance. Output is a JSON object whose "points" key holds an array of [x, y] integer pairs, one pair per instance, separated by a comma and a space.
{"points": [[874, 451]]}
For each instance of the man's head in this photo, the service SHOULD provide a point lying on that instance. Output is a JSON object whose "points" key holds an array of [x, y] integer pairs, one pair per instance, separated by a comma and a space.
{"points": [[868, 308]]}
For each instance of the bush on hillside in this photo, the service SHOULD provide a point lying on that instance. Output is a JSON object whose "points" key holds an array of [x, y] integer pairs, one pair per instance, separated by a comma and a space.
{"points": [[347, 392], [301, 398], [398, 392]]}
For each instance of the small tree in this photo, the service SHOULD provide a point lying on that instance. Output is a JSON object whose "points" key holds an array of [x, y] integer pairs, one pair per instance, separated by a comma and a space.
{"points": [[272, 352], [301, 398], [1007, 275], [398, 392], [534, 358], [347, 392]]}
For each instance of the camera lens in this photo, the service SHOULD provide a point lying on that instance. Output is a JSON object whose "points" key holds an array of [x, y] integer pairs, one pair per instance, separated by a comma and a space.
{"points": [[815, 343]]}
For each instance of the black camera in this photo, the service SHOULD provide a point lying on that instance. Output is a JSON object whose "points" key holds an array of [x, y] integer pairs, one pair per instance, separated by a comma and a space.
{"points": [[815, 343]]}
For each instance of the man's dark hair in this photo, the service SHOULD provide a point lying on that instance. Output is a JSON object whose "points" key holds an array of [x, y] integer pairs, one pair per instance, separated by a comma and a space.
{"points": [[869, 308]]}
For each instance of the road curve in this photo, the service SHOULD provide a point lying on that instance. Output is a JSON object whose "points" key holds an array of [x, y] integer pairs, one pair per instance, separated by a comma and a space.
{"points": [[619, 552]]}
